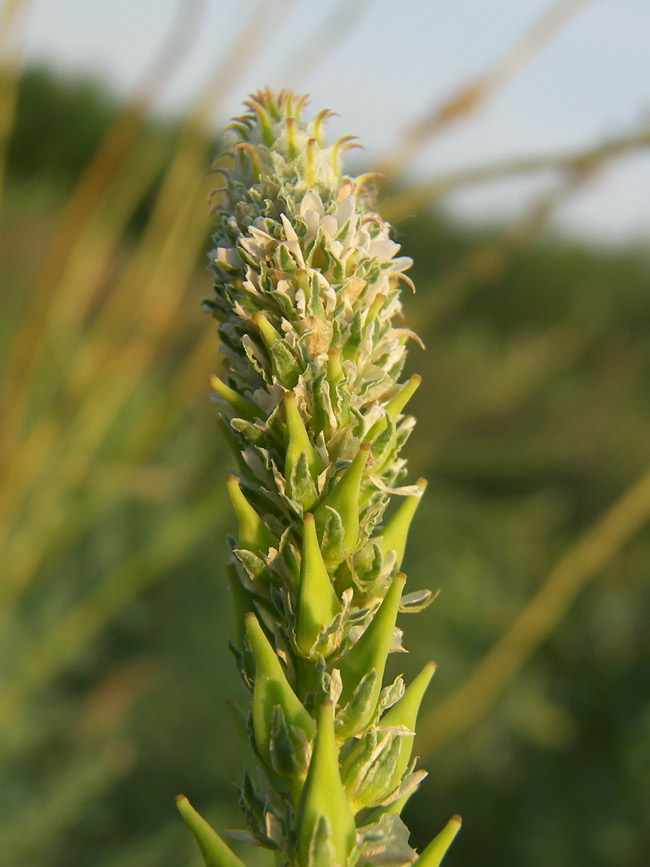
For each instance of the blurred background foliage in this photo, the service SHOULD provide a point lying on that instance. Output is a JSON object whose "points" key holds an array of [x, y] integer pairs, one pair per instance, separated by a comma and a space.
{"points": [[532, 428]]}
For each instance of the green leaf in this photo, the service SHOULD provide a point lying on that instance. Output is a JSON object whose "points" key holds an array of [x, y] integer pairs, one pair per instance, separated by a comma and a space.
{"points": [[255, 567], [369, 769], [285, 260], [352, 343]]}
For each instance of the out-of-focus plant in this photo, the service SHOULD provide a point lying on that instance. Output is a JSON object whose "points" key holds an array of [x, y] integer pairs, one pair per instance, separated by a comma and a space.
{"points": [[307, 288]]}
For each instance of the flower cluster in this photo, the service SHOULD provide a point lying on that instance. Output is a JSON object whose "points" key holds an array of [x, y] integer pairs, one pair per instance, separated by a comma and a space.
{"points": [[307, 290]]}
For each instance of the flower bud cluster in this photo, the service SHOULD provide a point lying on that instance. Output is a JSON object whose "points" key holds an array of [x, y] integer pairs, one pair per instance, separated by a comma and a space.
{"points": [[306, 295]]}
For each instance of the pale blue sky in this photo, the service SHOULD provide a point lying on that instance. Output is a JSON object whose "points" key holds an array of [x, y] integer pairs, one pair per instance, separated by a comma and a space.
{"points": [[400, 57]]}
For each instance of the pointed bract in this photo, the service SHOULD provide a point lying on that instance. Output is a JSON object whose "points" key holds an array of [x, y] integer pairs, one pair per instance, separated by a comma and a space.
{"points": [[318, 604], [215, 852], [370, 653], [344, 500], [395, 531], [437, 848], [271, 689], [323, 797], [405, 713], [298, 443], [241, 405], [253, 533]]}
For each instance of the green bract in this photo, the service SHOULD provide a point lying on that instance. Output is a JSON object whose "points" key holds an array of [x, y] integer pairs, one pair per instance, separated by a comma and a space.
{"points": [[307, 290]]}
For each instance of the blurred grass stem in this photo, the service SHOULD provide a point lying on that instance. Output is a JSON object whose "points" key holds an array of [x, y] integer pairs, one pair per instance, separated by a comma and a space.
{"points": [[471, 96], [579, 161], [594, 551]]}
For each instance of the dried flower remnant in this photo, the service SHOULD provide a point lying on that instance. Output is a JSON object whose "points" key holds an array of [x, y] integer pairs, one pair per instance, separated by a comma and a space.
{"points": [[307, 290]]}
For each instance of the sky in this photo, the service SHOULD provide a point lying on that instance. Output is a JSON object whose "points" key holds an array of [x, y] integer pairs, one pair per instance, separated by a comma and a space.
{"points": [[383, 64]]}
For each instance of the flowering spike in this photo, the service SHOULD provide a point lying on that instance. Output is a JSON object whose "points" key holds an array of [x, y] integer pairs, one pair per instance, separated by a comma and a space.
{"points": [[370, 654], [396, 529], [318, 603], [374, 768], [215, 852], [343, 500], [231, 438], [253, 533], [271, 689], [361, 181], [218, 170], [437, 848], [335, 372], [324, 804], [307, 284]]}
